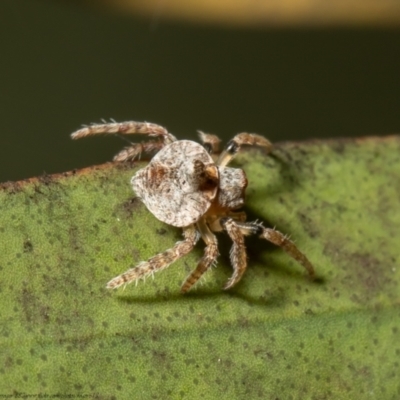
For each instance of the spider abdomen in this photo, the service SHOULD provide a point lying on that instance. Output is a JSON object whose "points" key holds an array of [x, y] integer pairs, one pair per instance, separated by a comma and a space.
{"points": [[179, 184]]}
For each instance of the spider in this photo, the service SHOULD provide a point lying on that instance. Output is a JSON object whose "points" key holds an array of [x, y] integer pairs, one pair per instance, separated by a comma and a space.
{"points": [[184, 187]]}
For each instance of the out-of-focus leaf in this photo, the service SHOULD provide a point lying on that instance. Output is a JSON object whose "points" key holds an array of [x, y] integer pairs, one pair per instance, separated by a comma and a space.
{"points": [[276, 335], [266, 12]]}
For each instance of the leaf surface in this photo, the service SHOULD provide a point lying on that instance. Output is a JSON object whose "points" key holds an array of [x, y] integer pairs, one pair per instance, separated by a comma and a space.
{"points": [[277, 335]]}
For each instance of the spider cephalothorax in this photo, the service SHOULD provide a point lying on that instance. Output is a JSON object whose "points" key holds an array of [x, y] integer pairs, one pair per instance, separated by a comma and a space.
{"points": [[184, 187]]}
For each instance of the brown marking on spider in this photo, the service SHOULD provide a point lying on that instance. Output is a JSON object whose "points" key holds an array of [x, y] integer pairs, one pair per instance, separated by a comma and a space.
{"points": [[184, 187]]}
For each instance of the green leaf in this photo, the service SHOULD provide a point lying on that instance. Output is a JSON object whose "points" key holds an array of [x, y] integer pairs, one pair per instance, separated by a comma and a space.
{"points": [[277, 335]]}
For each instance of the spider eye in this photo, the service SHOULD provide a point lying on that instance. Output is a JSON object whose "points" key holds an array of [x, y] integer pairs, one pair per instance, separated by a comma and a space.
{"points": [[232, 147]]}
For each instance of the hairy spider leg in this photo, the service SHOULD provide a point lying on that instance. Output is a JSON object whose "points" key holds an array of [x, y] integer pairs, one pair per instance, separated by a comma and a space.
{"points": [[210, 142], [208, 259], [281, 240], [136, 149], [158, 262], [237, 230], [129, 128], [242, 139], [238, 253]]}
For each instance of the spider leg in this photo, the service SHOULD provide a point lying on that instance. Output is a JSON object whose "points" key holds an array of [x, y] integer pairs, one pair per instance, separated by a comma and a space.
{"points": [[125, 128], [279, 239], [158, 262], [238, 251], [129, 128], [210, 142], [241, 139], [209, 257], [216, 223], [136, 149]]}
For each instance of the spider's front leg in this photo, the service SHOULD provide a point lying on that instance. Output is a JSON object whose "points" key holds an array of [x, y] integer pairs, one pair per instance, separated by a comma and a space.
{"points": [[209, 257], [130, 128], [158, 262], [242, 139], [237, 230], [238, 251], [281, 240]]}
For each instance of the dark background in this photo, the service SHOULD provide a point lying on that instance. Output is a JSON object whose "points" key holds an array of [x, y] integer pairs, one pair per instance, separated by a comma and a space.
{"points": [[62, 65]]}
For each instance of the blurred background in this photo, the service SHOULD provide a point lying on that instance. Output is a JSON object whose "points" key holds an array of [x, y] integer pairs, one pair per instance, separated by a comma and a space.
{"points": [[292, 71]]}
